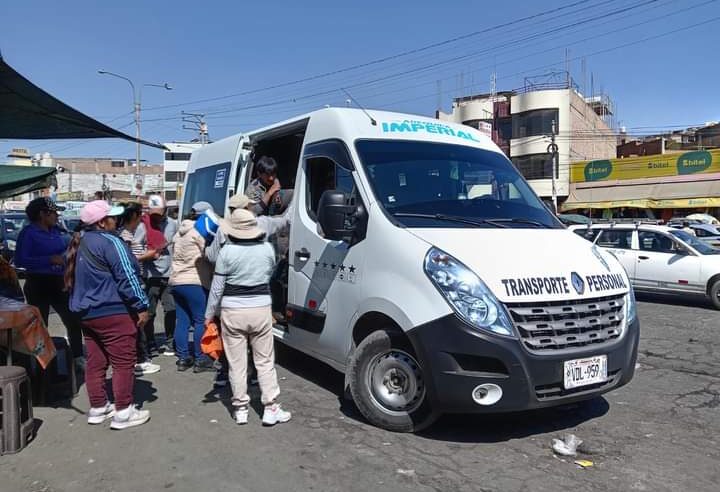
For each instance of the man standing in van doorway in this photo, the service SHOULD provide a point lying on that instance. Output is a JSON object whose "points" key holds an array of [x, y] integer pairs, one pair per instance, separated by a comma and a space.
{"points": [[264, 190], [157, 231]]}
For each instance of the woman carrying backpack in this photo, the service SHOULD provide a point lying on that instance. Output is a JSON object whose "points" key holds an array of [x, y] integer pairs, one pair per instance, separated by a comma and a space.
{"points": [[103, 278]]}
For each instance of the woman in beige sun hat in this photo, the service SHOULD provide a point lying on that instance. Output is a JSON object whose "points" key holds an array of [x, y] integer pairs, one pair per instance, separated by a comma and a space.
{"points": [[240, 293]]}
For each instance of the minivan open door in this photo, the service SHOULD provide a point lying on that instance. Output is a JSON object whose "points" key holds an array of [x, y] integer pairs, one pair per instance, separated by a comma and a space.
{"points": [[325, 273]]}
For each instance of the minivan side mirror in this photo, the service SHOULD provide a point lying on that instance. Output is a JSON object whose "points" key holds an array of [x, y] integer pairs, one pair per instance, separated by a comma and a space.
{"points": [[336, 217]]}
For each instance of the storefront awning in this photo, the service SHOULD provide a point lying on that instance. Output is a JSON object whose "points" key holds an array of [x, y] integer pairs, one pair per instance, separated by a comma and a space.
{"points": [[15, 180], [28, 112], [697, 194]]}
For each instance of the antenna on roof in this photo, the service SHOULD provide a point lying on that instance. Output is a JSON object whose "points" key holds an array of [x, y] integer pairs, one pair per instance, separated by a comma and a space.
{"points": [[372, 120]]}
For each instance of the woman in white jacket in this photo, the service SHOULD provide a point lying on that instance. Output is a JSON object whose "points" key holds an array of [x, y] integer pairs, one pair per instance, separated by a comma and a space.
{"points": [[190, 279]]}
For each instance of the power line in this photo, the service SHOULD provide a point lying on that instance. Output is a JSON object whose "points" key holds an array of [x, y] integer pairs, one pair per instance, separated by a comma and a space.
{"points": [[425, 58], [295, 100], [541, 67], [380, 60], [434, 65]]}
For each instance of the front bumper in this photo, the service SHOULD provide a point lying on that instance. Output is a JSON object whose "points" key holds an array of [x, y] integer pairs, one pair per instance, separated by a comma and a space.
{"points": [[457, 357]]}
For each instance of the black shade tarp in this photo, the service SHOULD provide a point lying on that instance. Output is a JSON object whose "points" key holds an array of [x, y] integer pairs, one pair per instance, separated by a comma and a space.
{"points": [[27, 113], [15, 180]]}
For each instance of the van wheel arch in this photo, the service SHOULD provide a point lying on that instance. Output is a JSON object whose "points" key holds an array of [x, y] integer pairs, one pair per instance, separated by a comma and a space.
{"points": [[374, 321]]}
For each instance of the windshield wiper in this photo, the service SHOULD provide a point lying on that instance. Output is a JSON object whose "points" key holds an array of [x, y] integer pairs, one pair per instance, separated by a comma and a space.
{"points": [[450, 218], [517, 220]]}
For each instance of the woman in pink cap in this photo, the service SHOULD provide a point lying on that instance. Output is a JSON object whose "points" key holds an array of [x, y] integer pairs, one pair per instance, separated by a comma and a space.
{"points": [[103, 278]]}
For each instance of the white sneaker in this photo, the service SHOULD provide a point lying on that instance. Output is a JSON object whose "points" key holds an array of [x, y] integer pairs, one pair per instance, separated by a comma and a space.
{"points": [[145, 368], [166, 350], [274, 414], [241, 415], [99, 415], [129, 417]]}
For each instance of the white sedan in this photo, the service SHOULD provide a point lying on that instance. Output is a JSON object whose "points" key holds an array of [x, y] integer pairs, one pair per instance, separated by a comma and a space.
{"points": [[660, 259]]}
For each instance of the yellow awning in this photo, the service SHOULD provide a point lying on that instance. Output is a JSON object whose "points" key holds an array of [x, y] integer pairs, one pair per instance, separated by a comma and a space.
{"points": [[681, 203], [696, 194]]}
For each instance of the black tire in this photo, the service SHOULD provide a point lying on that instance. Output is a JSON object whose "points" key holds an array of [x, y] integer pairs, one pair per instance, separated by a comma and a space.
{"points": [[383, 353], [715, 294]]}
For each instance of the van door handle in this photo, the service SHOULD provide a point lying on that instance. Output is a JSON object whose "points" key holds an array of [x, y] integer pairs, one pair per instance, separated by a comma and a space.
{"points": [[302, 254], [643, 257]]}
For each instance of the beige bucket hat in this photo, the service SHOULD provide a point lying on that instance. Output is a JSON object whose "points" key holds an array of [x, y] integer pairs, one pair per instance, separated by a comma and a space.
{"points": [[242, 224]]}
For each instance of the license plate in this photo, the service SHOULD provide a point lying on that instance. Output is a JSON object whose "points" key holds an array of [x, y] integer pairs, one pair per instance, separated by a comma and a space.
{"points": [[582, 372]]}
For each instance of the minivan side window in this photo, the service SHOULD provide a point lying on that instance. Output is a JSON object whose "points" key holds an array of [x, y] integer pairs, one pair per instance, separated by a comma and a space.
{"points": [[328, 166], [615, 238], [207, 184], [324, 174]]}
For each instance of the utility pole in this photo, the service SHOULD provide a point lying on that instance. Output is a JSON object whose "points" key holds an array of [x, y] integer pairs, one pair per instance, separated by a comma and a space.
{"points": [[137, 98], [553, 150], [197, 123]]}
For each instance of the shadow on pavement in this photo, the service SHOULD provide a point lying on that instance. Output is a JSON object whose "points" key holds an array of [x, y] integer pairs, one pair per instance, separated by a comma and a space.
{"points": [[477, 428], [461, 428], [676, 300], [144, 391]]}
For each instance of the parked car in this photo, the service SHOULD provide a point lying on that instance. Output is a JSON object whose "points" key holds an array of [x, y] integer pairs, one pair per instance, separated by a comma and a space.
{"points": [[707, 233], [704, 218], [660, 259], [680, 222], [10, 225]]}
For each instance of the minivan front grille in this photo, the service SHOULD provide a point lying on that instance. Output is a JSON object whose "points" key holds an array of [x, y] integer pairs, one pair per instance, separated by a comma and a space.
{"points": [[548, 326]]}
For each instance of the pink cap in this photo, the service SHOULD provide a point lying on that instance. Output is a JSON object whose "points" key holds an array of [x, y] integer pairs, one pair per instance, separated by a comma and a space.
{"points": [[97, 210]]}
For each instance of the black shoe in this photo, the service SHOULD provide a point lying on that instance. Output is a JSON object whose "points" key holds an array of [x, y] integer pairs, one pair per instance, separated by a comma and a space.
{"points": [[184, 364], [221, 380], [203, 365]]}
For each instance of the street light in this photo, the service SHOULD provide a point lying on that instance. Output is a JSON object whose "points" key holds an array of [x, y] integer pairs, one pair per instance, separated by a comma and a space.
{"points": [[137, 98]]}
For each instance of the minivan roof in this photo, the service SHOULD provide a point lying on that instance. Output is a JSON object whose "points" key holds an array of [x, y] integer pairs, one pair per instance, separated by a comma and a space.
{"points": [[351, 124]]}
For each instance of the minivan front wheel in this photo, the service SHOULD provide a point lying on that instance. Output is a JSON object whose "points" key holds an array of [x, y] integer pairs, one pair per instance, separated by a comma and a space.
{"points": [[388, 385]]}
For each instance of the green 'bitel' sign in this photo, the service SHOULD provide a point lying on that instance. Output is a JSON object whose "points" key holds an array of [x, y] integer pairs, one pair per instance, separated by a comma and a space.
{"points": [[651, 166]]}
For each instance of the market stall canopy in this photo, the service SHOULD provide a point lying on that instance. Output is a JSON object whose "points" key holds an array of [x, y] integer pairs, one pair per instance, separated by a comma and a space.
{"points": [[15, 180], [658, 195], [28, 113]]}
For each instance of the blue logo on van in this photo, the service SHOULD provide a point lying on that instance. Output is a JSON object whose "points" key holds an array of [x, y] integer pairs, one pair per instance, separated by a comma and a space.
{"points": [[413, 126], [577, 283]]}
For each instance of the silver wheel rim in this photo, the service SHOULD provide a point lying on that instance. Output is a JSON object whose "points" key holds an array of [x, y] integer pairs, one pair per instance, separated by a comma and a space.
{"points": [[395, 382]]}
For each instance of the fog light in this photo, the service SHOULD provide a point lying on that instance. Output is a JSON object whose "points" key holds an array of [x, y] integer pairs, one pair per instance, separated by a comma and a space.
{"points": [[487, 394]]}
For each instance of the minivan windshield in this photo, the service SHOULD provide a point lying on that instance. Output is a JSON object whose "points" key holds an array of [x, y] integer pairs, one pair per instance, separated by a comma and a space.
{"points": [[428, 184], [700, 246]]}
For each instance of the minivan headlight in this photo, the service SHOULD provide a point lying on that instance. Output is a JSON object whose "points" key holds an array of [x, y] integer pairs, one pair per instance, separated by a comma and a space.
{"points": [[466, 293], [630, 307]]}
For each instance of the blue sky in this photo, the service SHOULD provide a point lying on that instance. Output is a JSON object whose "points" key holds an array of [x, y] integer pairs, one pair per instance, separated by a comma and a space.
{"points": [[214, 49]]}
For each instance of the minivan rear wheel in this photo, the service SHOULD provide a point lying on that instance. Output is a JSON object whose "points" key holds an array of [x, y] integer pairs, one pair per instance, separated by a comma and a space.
{"points": [[388, 385], [715, 294]]}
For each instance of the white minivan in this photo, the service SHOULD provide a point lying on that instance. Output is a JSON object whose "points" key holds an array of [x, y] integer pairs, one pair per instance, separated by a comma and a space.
{"points": [[424, 268]]}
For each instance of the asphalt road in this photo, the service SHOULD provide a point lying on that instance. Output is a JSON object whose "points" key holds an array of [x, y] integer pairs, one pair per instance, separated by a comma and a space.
{"points": [[661, 432]]}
